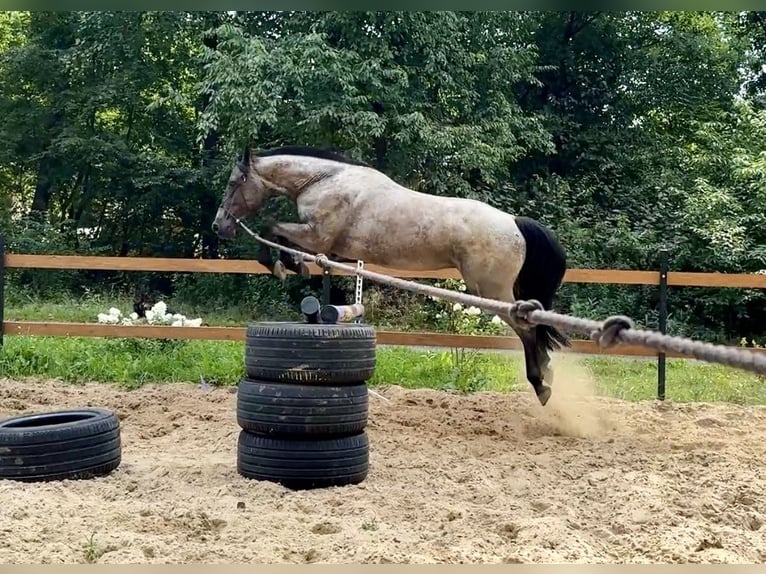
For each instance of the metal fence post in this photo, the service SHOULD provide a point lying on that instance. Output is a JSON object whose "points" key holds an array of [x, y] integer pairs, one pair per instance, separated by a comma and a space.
{"points": [[326, 286], [663, 321]]}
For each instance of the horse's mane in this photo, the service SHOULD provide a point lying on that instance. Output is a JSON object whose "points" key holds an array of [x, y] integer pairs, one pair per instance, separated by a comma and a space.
{"points": [[321, 153]]}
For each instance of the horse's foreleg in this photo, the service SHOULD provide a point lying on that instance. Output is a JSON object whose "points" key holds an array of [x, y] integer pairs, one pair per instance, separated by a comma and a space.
{"points": [[266, 258], [285, 261], [292, 262], [305, 236]]}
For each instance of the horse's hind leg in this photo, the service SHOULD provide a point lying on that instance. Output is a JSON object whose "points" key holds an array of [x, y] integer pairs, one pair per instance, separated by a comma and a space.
{"points": [[536, 361], [536, 358]]}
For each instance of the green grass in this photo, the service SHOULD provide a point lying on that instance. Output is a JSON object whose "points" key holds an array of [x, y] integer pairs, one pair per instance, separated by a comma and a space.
{"points": [[459, 370], [86, 310], [686, 380], [129, 362], [134, 362]]}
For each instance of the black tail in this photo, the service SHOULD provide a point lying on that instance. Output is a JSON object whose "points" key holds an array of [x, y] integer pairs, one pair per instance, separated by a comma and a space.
{"points": [[541, 275]]}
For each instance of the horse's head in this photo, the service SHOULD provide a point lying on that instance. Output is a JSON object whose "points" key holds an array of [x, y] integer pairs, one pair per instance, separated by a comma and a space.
{"points": [[243, 197]]}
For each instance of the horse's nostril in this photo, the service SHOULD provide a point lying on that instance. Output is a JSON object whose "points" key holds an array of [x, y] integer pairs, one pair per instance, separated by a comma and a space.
{"points": [[215, 227]]}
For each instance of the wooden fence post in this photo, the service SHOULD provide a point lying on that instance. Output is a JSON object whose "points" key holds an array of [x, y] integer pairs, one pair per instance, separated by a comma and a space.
{"points": [[2, 288]]}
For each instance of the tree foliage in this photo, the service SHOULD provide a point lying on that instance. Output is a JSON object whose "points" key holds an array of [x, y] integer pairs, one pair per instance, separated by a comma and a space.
{"points": [[626, 131]]}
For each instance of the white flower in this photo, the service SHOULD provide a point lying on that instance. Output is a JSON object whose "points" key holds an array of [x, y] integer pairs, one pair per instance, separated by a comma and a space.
{"points": [[457, 307], [497, 320], [160, 308], [462, 287], [473, 311], [156, 315]]}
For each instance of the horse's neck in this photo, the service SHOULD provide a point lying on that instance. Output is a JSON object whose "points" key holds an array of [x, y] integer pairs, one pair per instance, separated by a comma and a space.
{"points": [[293, 174]]}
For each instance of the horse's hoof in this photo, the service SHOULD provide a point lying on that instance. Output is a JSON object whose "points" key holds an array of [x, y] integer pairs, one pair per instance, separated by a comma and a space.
{"points": [[548, 376], [544, 394], [279, 271]]}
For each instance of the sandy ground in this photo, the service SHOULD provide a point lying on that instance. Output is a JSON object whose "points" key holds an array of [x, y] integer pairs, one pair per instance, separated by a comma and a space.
{"points": [[481, 478]]}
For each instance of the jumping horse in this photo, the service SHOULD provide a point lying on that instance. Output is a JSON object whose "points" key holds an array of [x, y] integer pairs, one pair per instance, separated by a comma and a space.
{"points": [[350, 211]]}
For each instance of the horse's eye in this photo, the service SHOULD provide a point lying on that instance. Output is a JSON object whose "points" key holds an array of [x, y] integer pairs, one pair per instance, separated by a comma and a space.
{"points": [[244, 178]]}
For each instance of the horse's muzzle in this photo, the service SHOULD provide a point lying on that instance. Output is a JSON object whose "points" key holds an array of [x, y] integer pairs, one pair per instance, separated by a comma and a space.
{"points": [[224, 227]]}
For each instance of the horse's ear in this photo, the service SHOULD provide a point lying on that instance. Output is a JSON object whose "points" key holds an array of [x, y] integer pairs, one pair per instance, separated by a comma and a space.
{"points": [[246, 157]]}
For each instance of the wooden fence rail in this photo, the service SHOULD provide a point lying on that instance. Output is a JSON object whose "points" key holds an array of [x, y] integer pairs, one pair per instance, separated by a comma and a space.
{"points": [[177, 265], [661, 278]]}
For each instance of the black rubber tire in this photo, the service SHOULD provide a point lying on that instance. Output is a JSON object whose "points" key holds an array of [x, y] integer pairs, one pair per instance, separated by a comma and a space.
{"points": [[60, 445], [280, 410], [304, 464], [305, 353]]}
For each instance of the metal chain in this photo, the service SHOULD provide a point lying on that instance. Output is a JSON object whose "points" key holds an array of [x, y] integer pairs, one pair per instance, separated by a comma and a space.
{"points": [[615, 329], [358, 292]]}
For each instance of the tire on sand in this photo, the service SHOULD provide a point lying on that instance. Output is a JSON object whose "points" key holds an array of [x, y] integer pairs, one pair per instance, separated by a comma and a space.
{"points": [[304, 464], [59, 445], [336, 354], [280, 410]]}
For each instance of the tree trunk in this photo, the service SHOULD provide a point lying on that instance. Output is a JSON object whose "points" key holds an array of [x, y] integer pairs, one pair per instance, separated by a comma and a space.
{"points": [[208, 198], [42, 198]]}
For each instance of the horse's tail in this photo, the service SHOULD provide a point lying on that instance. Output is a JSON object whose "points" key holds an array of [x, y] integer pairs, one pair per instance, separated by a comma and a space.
{"points": [[541, 275]]}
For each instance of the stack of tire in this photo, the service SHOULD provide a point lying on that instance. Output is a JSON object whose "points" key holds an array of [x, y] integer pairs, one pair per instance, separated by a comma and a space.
{"points": [[303, 403]]}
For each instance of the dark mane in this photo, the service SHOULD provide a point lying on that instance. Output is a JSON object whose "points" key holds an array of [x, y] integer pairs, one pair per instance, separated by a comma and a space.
{"points": [[322, 153]]}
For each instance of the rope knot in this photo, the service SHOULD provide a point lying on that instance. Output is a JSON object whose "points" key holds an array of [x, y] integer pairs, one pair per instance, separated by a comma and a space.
{"points": [[522, 309], [321, 259], [608, 334]]}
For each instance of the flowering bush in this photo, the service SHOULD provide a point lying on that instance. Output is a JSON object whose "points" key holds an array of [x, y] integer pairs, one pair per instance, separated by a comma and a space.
{"points": [[466, 367], [456, 318], [157, 315]]}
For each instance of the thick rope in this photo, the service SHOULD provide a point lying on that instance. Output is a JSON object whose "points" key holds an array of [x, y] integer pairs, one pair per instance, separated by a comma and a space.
{"points": [[614, 330]]}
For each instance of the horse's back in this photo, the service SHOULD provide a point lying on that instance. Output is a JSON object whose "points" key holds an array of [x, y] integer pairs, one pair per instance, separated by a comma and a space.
{"points": [[391, 225], [374, 189]]}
